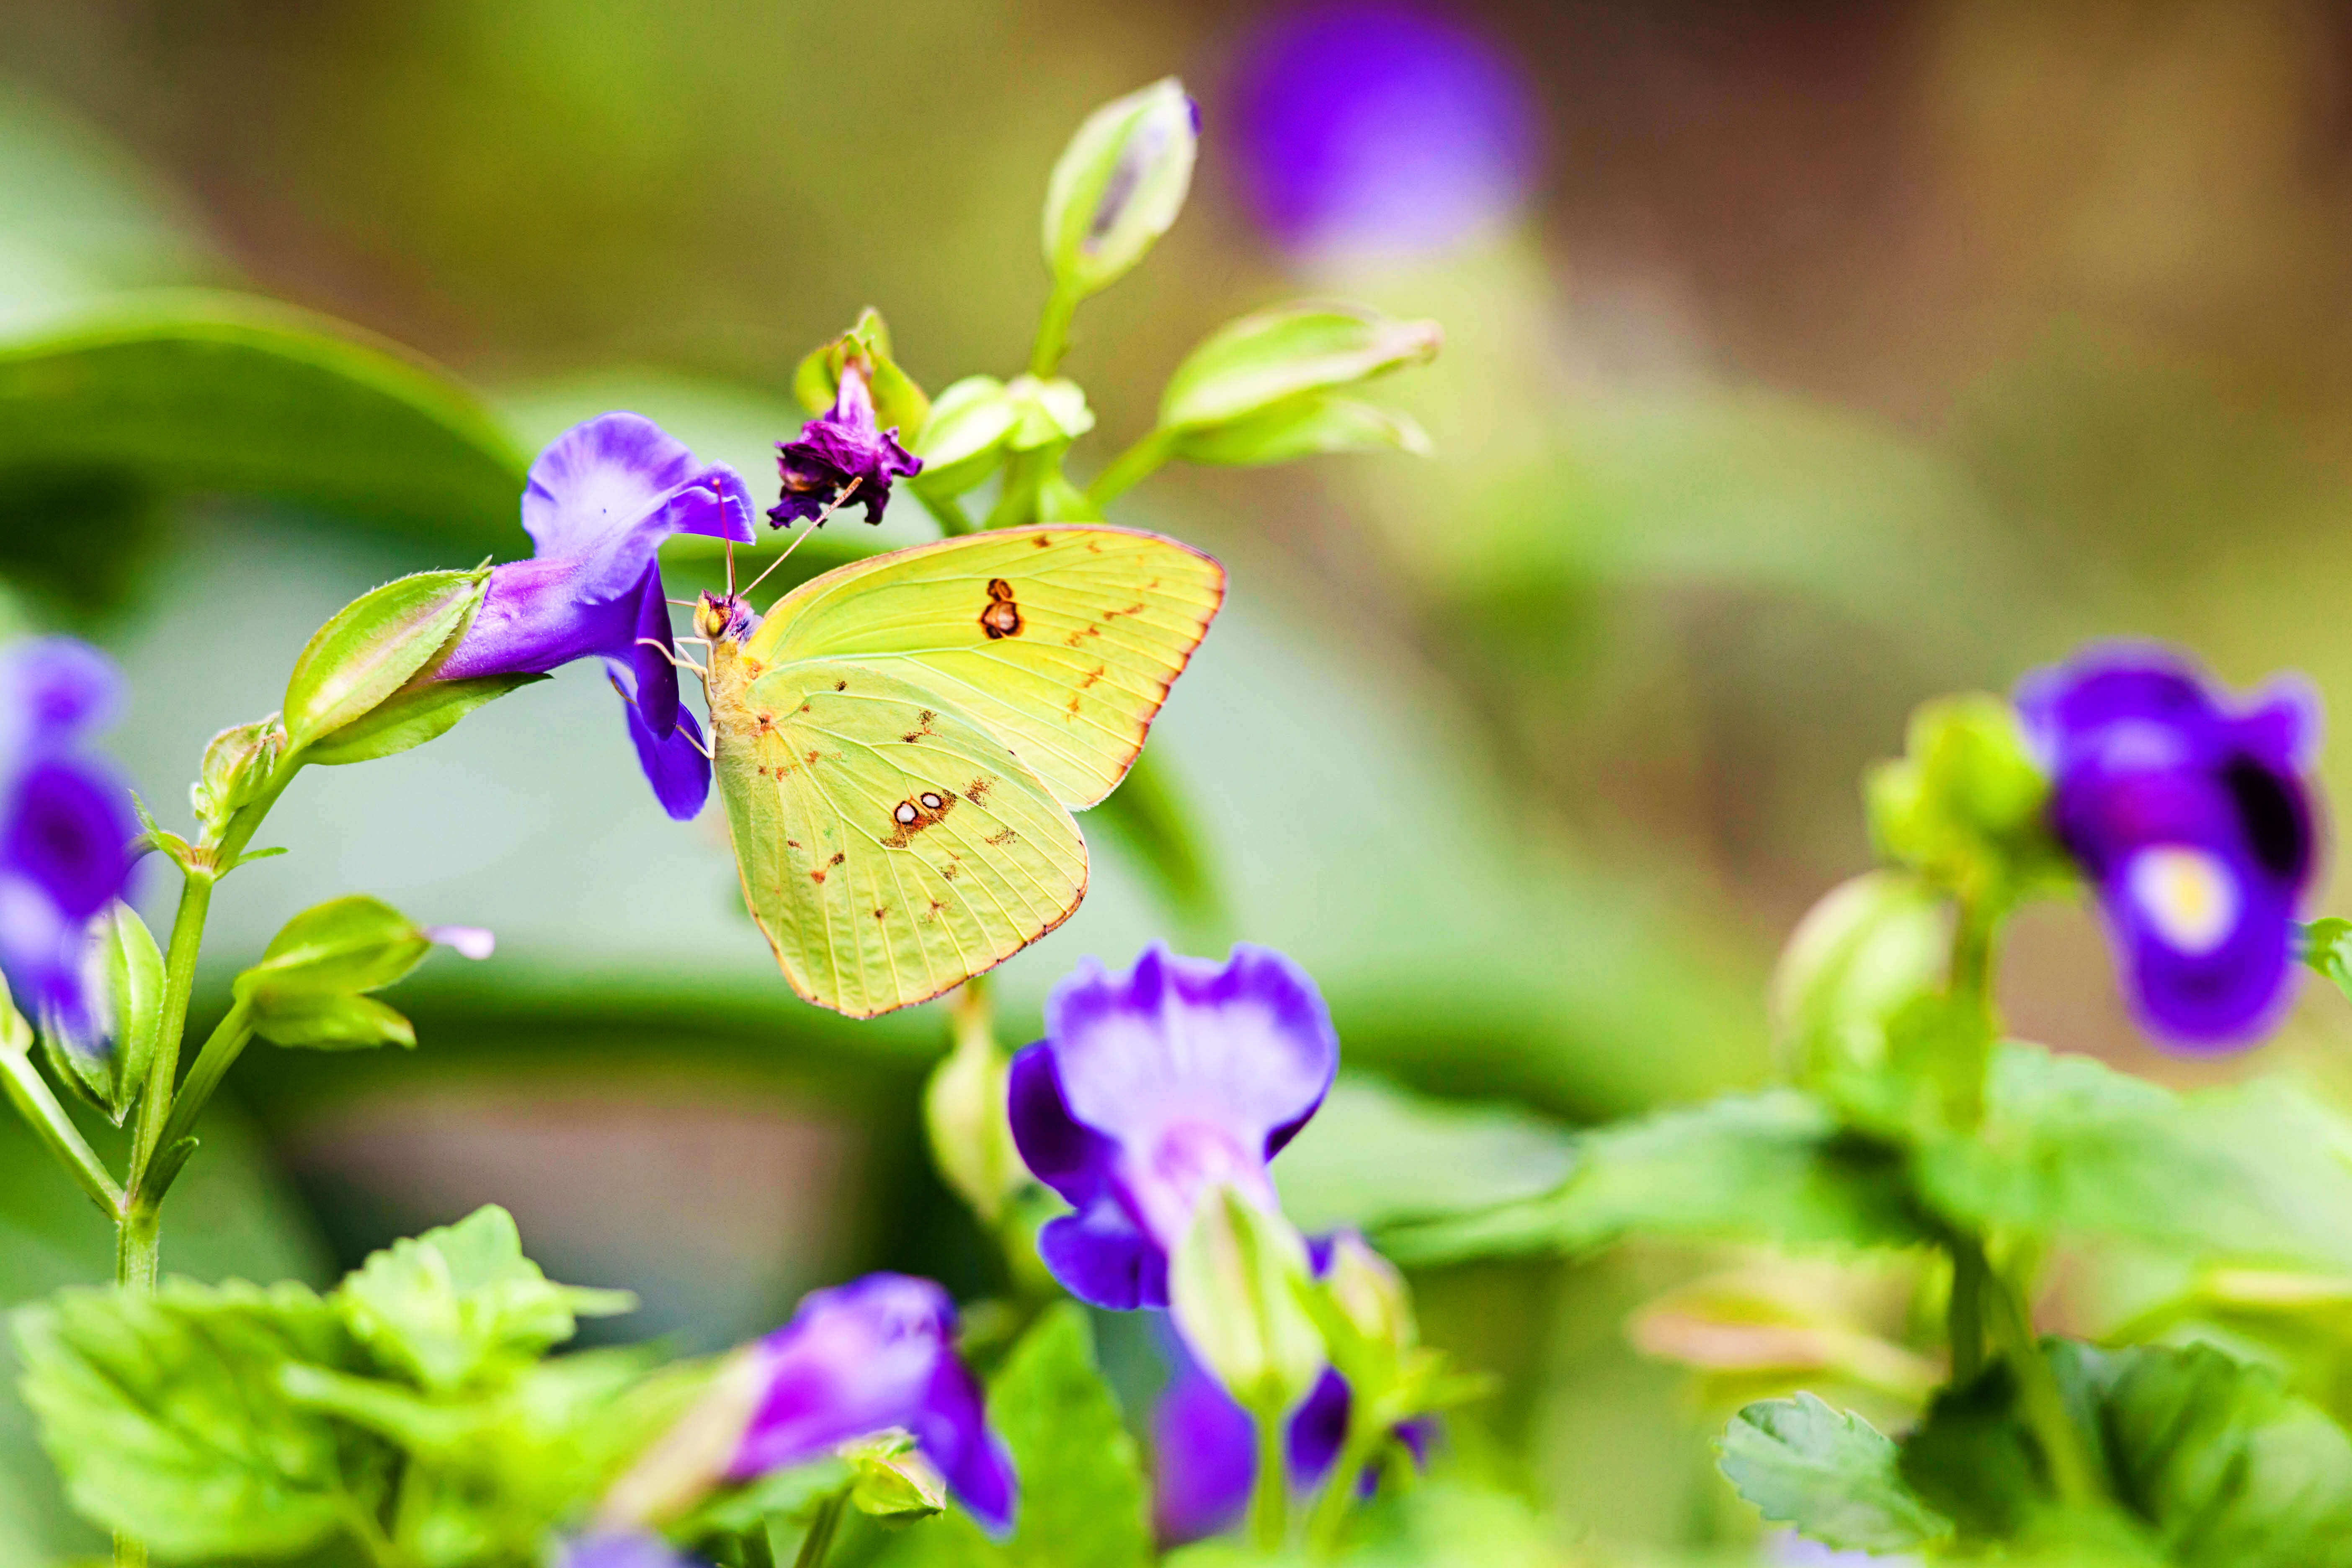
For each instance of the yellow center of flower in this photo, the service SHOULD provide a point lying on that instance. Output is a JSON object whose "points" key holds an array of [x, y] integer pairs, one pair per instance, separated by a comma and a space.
{"points": [[2187, 895]]}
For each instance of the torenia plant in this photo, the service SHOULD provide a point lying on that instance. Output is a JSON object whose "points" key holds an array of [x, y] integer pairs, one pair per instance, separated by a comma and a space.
{"points": [[2206, 1427]]}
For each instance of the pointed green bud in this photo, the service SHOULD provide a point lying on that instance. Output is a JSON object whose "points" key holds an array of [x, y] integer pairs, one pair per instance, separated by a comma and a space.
{"points": [[1273, 357], [308, 988], [690, 1459], [238, 766], [370, 648], [1119, 186], [1234, 1288], [1966, 805], [965, 1114], [1869, 946], [892, 1479], [964, 439], [1370, 1296]]}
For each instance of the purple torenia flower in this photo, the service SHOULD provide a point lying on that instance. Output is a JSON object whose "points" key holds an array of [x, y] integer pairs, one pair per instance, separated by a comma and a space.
{"points": [[1150, 1089], [1204, 1449], [65, 831], [1381, 129], [599, 502], [870, 1355], [623, 1549], [2189, 811], [839, 449]]}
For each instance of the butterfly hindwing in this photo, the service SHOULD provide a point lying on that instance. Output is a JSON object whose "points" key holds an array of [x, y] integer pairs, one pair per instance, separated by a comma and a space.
{"points": [[890, 846], [1062, 639]]}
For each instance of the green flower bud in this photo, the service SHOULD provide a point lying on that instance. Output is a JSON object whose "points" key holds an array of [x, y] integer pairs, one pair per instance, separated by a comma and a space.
{"points": [[1119, 186], [891, 1478], [1867, 948], [236, 768], [899, 403], [965, 438], [964, 1113], [1966, 806], [1235, 1287]]}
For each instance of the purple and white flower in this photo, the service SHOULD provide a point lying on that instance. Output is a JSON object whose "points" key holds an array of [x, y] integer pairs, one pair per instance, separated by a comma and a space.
{"points": [[66, 831], [1153, 1087], [2189, 811], [600, 501], [841, 456]]}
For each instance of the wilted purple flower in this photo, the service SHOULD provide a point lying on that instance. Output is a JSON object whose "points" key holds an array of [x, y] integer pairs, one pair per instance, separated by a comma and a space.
{"points": [[600, 501], [2189, 812], [65, 830], [1150, 1089], [872, 1354], [1204, 1449], [837, 450], [1381, 129]]}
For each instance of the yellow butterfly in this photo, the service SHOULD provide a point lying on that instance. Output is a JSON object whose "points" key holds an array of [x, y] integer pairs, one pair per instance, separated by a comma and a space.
{"points": [[900, 743]]}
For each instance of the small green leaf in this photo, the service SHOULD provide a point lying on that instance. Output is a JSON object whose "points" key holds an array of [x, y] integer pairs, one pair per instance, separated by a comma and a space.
{"points": [[1313, 426], [370, 648], [342, 947], [1773, 1167], [790, 1496], [460, 1302], [238, 765], [1234, 1288], [1119, 186], [165, 1418], [332, 1023], [1280, 356], [423, 709], [964, 439], [1083, 1500], [894, 1481], [1974, 1460], [134, 986], [2326, 946], [1830, 1473]]}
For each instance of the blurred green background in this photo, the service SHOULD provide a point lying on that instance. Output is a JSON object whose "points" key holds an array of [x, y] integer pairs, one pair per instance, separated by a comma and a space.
{"points": [[1838, 354]]}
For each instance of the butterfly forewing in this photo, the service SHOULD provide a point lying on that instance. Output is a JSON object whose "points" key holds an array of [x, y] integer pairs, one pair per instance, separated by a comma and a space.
{"points": [[1063, 640], [890, 846]]}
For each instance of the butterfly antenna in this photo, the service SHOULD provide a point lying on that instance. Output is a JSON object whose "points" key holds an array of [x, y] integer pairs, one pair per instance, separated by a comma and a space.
{"points": [[837, 502], [628, 698]]}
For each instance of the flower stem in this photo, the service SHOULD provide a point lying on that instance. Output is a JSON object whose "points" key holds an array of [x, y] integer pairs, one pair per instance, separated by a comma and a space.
{"points": [[821, 1529], [1269, 1508], [1129, 467], [2039, 1399], [219, 1054], [1964, 1315], [135, 1263], [1329, 1515], [1052, 332], [31, 1093], [948, 514]]}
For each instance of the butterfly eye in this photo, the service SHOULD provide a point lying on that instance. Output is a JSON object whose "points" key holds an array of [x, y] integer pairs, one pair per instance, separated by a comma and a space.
{"points": [[905, 813], [931, 802]]}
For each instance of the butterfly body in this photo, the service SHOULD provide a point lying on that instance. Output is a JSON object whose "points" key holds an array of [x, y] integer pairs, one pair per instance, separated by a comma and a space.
{"points": [[900, 745]]}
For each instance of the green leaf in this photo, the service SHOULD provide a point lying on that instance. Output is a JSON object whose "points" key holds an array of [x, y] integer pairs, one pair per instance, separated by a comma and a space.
{"points": [[165, 1418], [1771, 1167], [1307, 427], [1234, 1283], [790, 1496], [370, 648], [134, 988], [1376, 1156], [423, 709], [964, 439], [2071, 1147], [1830, 1473], [332, 1023], [462, 1302], [1082, 1502], [1051, 412], [2326, 946], [1291, 351], [1150, 816], [191, 392], [1974, 1460], [338, 948], [1119, 186]]}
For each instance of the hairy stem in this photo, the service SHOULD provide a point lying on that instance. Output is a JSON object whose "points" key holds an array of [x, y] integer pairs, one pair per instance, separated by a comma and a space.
{"points": [[2039, 1398], [212, 1064], [1269, 1506]]}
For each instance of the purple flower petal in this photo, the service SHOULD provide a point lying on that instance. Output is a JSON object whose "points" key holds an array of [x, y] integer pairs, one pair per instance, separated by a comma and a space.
{"points": [[1073, 1160], [68, 830], [465, 941], [1381, 129], [655, 656], [840, 448], [1101, 1257], [676, 764], [2189, 815], [862, 1358], [54, 690], [605, 473], [625, 1549]]}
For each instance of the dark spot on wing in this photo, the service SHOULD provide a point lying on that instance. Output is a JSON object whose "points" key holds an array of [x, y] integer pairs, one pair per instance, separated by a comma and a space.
{"points": [[922, 729], [977, 791], [881, 914], [812, 757], [913, 815], [838, 858], [1134, 609], [1044, 540], [1097, 673], [841, 685], [1002, 618], [817, 876], [1001, 836]]}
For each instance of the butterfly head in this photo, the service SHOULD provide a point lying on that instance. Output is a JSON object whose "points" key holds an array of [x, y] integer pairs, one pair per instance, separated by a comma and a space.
{"points": [[724, 617]]}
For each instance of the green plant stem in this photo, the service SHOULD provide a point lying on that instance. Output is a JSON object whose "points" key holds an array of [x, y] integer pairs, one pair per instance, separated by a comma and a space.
{"points": [[1328, 1516], [1970, 984], [1131, 466], [2039, 1398], [1269, 1506], [1964, 1316], [1052, 332], [220, 1052], [821, 1529], [948, 514], [179, 980], [31, 1095]]}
